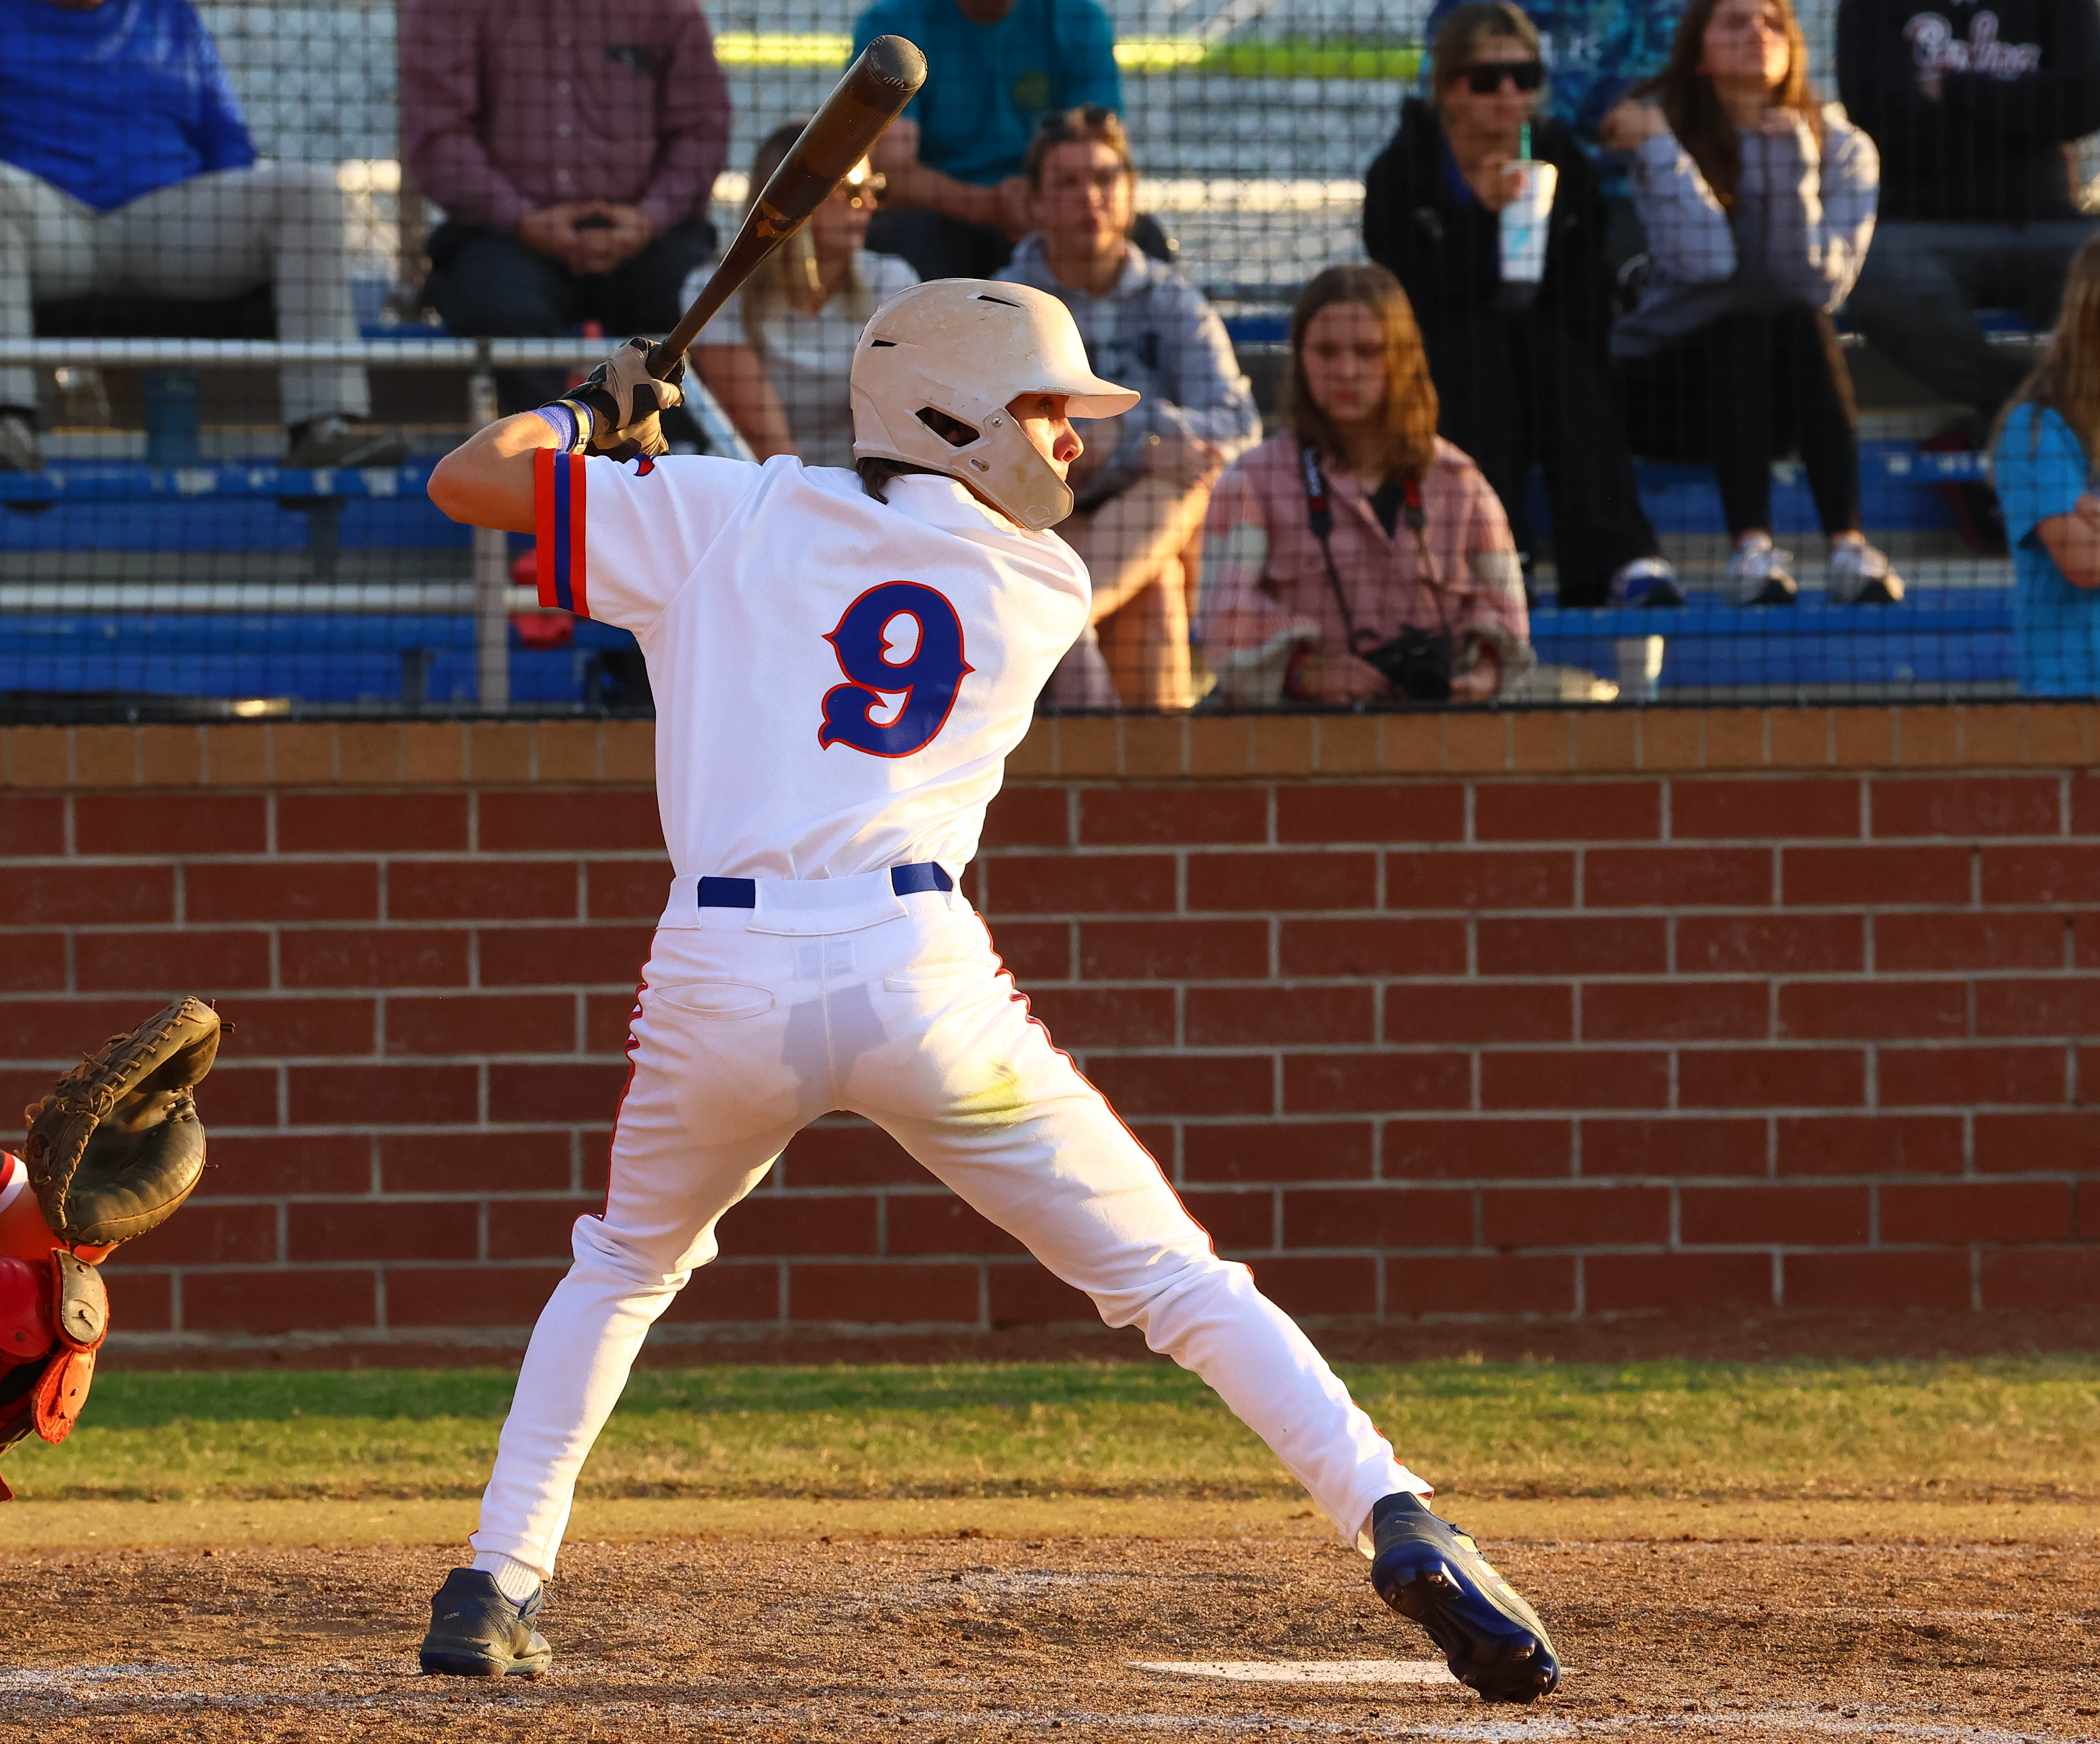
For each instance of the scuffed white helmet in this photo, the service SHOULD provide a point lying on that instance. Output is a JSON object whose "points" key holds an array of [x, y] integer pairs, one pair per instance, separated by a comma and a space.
{"points": [[935, 368]]}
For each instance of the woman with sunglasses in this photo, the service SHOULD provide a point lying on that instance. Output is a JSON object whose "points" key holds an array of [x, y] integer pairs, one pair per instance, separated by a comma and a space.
{"points": [[1518, 365], [1758, 204], [778, 356]]}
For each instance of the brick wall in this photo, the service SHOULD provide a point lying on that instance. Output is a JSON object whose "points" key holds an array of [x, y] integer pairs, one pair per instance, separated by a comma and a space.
{"points": [[1551, 1013]]}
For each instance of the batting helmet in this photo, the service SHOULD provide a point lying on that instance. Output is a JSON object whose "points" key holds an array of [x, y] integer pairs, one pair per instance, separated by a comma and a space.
{"points": [[935, 368]]}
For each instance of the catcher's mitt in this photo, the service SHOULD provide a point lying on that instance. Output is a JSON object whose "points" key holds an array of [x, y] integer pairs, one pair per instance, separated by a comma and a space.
{"points": [[116, 1146]]}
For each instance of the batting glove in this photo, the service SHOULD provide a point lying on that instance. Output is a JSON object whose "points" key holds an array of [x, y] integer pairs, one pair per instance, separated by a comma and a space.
{"points": [[618, 405]]}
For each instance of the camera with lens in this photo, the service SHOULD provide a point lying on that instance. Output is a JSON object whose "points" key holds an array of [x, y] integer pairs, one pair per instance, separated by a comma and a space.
{"points": [[1416, 662]]}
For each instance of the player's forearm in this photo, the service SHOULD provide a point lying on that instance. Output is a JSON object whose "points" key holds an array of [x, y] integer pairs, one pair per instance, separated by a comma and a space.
{"points": [[487, 480]]}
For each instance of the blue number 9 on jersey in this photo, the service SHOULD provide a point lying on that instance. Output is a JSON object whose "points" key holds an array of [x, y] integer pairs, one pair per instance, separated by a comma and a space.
{"points": [[927, 677]]}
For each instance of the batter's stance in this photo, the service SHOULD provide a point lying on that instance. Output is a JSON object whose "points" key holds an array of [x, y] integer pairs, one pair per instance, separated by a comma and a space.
{"points": [[841, 664]]}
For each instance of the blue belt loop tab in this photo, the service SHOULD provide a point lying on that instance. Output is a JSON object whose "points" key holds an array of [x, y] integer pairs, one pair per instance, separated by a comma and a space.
{"points": [[743, 892], [909, 881]]}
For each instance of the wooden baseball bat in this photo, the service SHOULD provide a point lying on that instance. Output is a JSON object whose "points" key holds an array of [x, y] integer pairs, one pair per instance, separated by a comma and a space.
{"points": [[870, 97]]}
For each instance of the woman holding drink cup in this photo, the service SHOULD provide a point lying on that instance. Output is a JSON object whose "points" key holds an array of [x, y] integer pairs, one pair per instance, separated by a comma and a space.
{"points": [[1758, 204], [1487, 211]]}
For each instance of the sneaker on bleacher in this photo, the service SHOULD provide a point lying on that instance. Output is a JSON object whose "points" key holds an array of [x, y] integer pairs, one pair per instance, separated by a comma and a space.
{"points": [[19, 452], [335, 440], [1757, 573], [1647, 581], [1860, 575]]}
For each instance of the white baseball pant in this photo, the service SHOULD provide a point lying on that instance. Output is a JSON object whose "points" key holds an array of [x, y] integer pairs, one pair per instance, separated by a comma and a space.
{"points": [[839, 993]]}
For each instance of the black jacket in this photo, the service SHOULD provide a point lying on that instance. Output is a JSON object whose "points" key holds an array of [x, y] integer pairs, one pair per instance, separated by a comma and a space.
{"points": [[2019, 78], [1445, 250]]}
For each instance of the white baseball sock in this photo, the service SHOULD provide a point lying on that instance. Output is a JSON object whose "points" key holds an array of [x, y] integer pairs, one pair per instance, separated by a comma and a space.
{"points": [[515, 1580]]}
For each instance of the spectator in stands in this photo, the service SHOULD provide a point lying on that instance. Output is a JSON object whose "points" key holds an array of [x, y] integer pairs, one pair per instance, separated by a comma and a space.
{"points": [[1356, 557], [1759, 205], [1144, 480], [1978, 207], [779, 357], [2043, 456], [125, 167], [572, 145], [957, 200], [1518, 364]]}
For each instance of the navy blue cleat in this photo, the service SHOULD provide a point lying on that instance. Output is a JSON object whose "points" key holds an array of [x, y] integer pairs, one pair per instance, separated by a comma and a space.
{"points": [[477, 1633], [1432, 1572]]}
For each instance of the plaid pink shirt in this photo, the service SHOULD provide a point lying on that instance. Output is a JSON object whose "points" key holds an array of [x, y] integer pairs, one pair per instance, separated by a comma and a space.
{"points": [[511, 105]]}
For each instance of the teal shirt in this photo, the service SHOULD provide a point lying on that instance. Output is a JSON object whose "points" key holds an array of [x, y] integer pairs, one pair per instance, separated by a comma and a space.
{"points": [[2041, 469], [985, 84]]}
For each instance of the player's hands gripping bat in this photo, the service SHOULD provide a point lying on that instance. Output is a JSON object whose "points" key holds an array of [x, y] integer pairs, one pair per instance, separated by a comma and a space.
{"points": [[618, 405]]}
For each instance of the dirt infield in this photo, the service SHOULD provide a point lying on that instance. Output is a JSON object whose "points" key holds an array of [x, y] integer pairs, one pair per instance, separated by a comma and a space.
{"points": [[964, 1638]]}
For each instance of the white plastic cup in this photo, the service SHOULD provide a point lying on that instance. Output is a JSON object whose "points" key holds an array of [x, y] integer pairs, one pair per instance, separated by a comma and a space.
{"points": [[1640, 668], [1524, 221]]}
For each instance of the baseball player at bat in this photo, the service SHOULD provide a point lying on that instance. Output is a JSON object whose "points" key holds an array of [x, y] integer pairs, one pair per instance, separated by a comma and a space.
{"points": [[842, 660]]}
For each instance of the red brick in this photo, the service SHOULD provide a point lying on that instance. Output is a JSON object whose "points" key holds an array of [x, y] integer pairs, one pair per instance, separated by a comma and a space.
{"points": [[33, 826], [1958, 1211], [1143, 816], [422, 1229], [76, 895], [1278, 1151], [1307, 1286], [1174, 950], [2041, 873], [1185, 1083], [1966, 1076], [282, 890], [237, 1095], [1375, 1083], [2040, 1277], [140, 1302], [329, 1300], [366, 957], [203, 823], [1108, 1016], [918, 1224], [608, 1020], [556, 1095], [1502, 877], [1701, 810], [1877, 1281], [1877, 878], [241, 1165], [1639, 878], [1372, 947], [1279, 1016], [1872, 1010], [1771, 1078], [1474, 1149], [60, 1029], [1883, 1144], [626, 889], [1965, 805], [2084, 803], [1574, 945], [1376, 1216], [1457, 1011], [2048, 1005], [1080, 884], [1772, 1214], [372, 823], [502, 1295], [1634, 1283], [265, 1028], [562, 956], [1685, 1145], [387, 1096], [1575, 1078], [1028, 817], [885, 1293], [1485, 1283], [548, 821], [214, 962], [35, 962], [477, 1025], [1243, 1223], [730, 1292], [2063, 1143], [1371, 812], [1969, 940], [1034, 950], [481, 890], [2088, 1209], [1675, 1011], [1028, 1296], [1769, 944], [1573, 1217], [861, 1155], [472, 1162], [1281, 883], [209, 1234], [1567, 811], [769, 1223]]}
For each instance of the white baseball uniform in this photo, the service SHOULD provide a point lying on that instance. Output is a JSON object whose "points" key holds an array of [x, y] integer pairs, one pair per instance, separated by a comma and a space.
{"points": [[838, 683]]}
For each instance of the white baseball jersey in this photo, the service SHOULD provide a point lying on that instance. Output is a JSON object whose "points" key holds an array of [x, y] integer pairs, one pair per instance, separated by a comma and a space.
{"points": [[838, 681]]}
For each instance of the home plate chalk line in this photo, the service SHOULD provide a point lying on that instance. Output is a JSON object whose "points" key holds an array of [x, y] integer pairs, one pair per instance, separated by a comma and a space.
{"points": [[1306, 1671]]}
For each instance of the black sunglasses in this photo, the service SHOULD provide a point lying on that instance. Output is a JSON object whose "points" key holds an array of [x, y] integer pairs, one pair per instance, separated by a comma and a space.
{"points": [[1486, 79]]}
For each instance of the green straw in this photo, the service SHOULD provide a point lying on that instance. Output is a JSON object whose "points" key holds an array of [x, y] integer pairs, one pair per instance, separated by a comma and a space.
{"points": [[1523, 141]]}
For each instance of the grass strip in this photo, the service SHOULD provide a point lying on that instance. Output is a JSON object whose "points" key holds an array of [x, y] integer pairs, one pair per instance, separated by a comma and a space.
{"points": [[2027, 1427]]}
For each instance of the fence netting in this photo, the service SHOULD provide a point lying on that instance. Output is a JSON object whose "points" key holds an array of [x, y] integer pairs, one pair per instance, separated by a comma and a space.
{"points": [[1492, 354]]}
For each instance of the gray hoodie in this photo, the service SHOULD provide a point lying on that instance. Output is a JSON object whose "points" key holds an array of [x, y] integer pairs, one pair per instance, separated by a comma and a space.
{"points": [[1153, 332], [1798, 233]]}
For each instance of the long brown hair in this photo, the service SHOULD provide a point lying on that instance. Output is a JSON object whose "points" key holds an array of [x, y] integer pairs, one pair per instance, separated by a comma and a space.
{"points": [[1410, 396], [767, 287], [1693, 108], [2067, 378]]}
